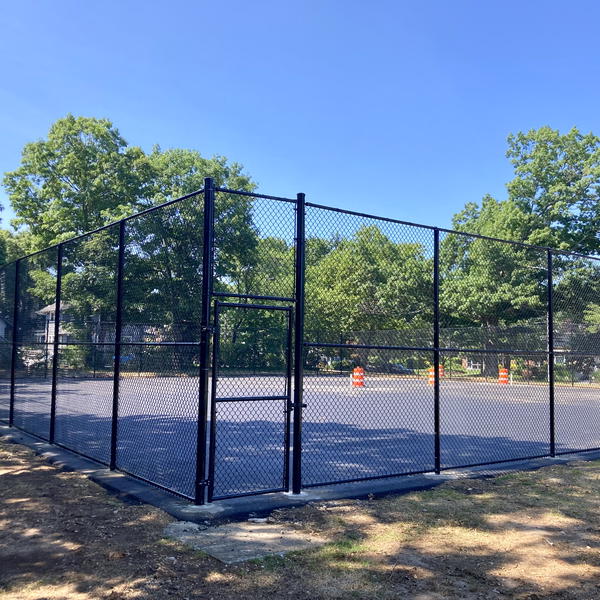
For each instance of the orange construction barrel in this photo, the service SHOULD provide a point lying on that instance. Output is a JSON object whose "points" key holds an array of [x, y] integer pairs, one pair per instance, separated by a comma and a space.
{"points": [[503, 375], [358, 377], [431, 377]]}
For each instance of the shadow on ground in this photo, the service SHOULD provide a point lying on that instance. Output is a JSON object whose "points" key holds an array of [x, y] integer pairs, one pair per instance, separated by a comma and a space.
{"points": [[524, 535]]}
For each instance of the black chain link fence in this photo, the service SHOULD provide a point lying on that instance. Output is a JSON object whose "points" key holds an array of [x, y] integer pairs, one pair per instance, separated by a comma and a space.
{"points": [[229, 343]]}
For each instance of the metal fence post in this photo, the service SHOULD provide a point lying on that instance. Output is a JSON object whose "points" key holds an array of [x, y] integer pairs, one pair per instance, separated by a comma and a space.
{"points": [[55, 348], [436, 349], [117, 359], [299, 343], [205, 333], [289, 357], [550, 322], [13, 353]]}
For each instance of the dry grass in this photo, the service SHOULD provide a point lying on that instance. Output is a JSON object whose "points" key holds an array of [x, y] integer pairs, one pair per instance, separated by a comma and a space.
{"points": [[526, 536]]}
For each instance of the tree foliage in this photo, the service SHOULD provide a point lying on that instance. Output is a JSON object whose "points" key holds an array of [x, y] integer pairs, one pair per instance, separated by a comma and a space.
{"points": [[557, 182], [84, 175], [553, 200], [69, 182], [368, 282]]}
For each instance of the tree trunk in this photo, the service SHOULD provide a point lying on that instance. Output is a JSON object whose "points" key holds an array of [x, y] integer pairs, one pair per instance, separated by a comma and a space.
{"points": [[490, 360]]}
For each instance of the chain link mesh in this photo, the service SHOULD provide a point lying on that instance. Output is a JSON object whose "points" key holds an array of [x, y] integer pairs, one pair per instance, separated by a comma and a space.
{"points": [[84, 387], [250, 447], [370, 304], [369, 287], [7, 294], [252, 354], [493, 295], [494, 406], [250, 430], [158, 412], [384, 428], [254, 257], [158, 390], [34, 337], [488, 416], [366, 275], [163, 274], [254, 246], [577, 394], [576, 343]]}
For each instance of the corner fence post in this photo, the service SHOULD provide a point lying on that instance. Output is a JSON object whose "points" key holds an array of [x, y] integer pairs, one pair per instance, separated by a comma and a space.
{"points": [[55, 348], [550, 322], [299, 343], [436, 350], [205, 331], [13, 353], [117, 359]]}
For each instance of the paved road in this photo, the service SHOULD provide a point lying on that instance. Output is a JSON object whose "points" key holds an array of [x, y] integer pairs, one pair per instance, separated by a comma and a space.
{"points": [[385, 428]]}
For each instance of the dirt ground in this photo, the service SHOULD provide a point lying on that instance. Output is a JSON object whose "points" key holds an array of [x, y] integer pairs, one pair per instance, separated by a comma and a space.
{"points": [[527, 535]]}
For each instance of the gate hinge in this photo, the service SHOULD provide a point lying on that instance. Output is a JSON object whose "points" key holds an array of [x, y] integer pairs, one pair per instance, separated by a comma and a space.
{"points": [[208, 329], [203, 483]]}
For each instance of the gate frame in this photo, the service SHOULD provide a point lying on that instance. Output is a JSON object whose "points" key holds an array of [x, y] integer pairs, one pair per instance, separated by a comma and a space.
{"points": [[287, 397]]}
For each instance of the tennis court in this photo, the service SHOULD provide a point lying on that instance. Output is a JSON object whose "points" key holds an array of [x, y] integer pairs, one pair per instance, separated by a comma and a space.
{"points": [[385, 428]]}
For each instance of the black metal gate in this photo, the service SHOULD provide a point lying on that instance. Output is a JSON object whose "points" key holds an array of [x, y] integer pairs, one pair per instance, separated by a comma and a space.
{"points": [[251, 400]]}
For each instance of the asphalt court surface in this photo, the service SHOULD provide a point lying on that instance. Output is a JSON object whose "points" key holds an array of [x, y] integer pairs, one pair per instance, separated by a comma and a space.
{"points": [[385, 428]]}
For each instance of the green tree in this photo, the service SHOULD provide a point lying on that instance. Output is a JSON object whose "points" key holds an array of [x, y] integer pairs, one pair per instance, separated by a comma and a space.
{"points": [[485, 282], [164, 248], [84, 176], [492, 294], [70, 182], [592, 317], [557, 180], [553, 200], [367, 283], [12, 246], [507, 220]]}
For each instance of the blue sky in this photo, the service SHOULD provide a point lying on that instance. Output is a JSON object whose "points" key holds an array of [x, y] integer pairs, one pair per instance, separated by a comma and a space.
{"points": [[394, 107]]}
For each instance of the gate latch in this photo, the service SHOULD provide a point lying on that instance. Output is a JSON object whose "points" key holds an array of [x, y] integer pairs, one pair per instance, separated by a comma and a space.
{"points": [[290, 407]]}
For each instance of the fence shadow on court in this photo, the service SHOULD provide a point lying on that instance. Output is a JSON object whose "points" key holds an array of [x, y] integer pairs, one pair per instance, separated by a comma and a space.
{"points": [[162, 448]]}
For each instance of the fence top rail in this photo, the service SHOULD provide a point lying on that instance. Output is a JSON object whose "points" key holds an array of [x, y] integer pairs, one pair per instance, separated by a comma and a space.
{"points": [[146, 211], [451, 231], [308, 204], [255, 195], [107, 226]]}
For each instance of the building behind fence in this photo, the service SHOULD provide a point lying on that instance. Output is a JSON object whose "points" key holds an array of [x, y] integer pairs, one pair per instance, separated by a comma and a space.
{"points": [[206, 346]]}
